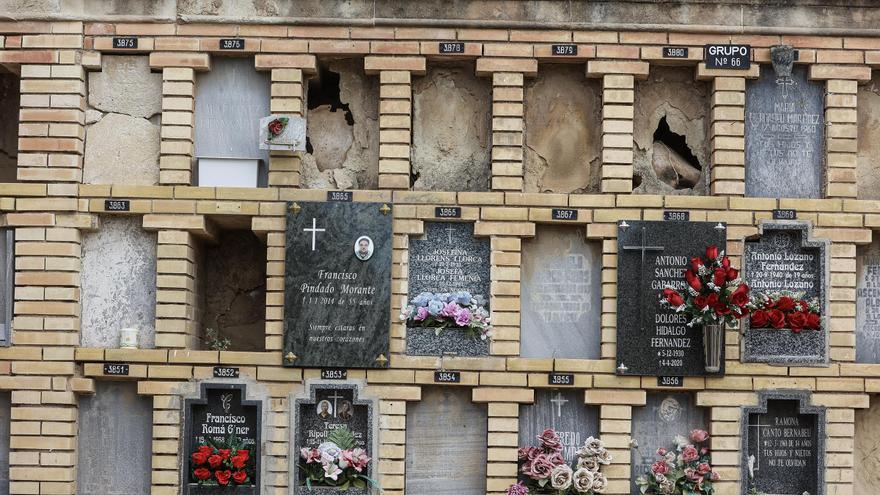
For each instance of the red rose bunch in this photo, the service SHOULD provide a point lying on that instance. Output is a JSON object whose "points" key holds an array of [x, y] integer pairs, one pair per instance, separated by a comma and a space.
{"points": [[222, 465], [712, 292], [780, 310]]}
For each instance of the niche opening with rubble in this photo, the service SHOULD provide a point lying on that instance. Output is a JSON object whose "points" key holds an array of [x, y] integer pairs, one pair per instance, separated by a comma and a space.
{"points": [[670, 138], [231, 289], [10, 100], [342, 134]]}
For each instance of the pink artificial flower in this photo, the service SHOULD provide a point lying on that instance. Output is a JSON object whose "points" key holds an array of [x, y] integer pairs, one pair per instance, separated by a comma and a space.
{"points": [[518, 489], [704, 468], [715, 476], [541, 467], [332, 471], [690, 454], [463, 317], [692, 474], [523, 452], [421, 314], [449, 309], [556, 458], [699, 435], [661, 451], [659, 467], [550, 440], [310, 455]]}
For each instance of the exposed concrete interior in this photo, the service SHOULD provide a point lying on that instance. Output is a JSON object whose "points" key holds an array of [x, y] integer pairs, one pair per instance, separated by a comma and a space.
{"points": [[10, 96], [563, 133], [451, 143], [343, 128], [232, 293], [670, 149], [122, 131], [868, 165]]}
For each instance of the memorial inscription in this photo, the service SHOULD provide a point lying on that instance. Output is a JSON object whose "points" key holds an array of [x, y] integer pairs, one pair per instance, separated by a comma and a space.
{"points": [[337, 285], [783, 257], [448, 259], [565, 412], [784, 441], [652, 340], [785, 135], [868, 303]]}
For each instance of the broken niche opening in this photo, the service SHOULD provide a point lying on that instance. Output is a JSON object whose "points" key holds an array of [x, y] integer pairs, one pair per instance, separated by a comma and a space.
{"points": [[10, 100]]}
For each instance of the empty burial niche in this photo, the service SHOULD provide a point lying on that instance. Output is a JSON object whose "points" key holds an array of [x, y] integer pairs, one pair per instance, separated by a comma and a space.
{"points": [[342, 135], [451, 130], [562, 141], [10, 101], [231, 292], [868, 164], [670, 148], [867, 449]]}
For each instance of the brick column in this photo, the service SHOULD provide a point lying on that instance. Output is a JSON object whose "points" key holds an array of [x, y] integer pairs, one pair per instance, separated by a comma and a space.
{"points": [[391, 458], [175, 290], [727, 137], [839, 430], [725, 441], [503, 433], [178, 105], [615, 429], [287, 98], [167, 432], [842, 293], [395, 116], [618, 95], [841, 138], [273, 230]]}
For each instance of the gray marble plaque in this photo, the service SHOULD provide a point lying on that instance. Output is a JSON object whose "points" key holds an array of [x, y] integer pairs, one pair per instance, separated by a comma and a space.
{"points": [[337, 279], [115, 439], [564, 411], [446, 443], [785, 135], [657, 424], [448, 259], [784, 445], [561, 295], [783, 256], [231, 99], [651, 339], [868, 303]]}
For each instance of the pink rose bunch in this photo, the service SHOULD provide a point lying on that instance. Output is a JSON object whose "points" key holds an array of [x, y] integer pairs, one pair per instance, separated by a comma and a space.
{"points": [[686, 469], [329, 465], [440, 311], [546, 471]]}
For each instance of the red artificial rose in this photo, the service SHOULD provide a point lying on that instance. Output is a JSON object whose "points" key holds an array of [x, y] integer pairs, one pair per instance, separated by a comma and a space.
{"points": [[700, 301], [769, 304], [777, 318], [785, 304], [725, 262], [813, 321], [206, 449], [740, 296], [675, 299], [732, 273], [202, 473], [796, 321], [223, 476], [224, 453], [243, 453], [199, 458], [239, 477], [214, 461], [238, 461], [803, 306], [712, 299], [696, 263], [712, 252], [719, 277], [275, 127], [721, 309]]}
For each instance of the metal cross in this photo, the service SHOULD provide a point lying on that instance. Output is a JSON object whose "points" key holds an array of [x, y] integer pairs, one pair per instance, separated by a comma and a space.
{"points": [[314, 230], [334, 397], [450, 229], [644, 248], [559, 401]]}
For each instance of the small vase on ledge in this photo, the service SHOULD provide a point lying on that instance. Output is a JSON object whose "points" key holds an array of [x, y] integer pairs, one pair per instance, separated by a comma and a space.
{"points": [[713, 343]]}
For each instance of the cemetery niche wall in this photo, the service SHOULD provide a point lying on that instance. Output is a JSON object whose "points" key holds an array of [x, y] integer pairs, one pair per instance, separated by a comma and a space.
{"points": [[868, 303]]}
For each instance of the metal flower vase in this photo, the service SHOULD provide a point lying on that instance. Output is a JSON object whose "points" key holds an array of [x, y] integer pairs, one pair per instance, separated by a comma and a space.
{"points": [[713, 343]]}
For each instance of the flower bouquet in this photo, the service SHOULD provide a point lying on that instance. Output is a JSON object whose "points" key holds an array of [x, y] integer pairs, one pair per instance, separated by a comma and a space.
{"points": [[715, 296], [684, 471], [785, 309], [429, 315], [222, 464], [544, 471], [276, 127], [337, 464]]}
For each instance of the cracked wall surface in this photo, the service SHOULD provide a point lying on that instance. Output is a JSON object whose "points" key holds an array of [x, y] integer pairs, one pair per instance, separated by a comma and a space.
{"points": [[867, 450], [9, 98], [122, 131], [868, 165], [563, 135], [118, 282], [343, 155], [670, 92], [234, 293], [451, 130]]}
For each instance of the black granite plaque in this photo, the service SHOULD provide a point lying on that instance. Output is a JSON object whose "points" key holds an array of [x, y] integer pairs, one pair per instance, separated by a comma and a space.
{"points": [[868, 303], [785, 135], [665, 416], [337, 283], [783, 257], [220, 415], [652, 340], [784, 439], [330, 406], [565, 412], [448, 259]]}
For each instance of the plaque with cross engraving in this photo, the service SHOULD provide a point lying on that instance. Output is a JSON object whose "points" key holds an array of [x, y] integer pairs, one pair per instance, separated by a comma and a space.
{"points": [[652, 340], [565, 412], [337, 285]]}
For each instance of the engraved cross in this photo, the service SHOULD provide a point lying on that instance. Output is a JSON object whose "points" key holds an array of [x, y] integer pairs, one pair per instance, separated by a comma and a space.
{"points": [[644, 248], [314, 230], [559, 401]]}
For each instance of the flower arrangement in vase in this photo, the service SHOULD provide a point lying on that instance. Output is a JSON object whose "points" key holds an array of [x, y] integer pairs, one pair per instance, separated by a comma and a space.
{"points": [[686, 470], [222, 464], [785, 310], [543, 470], [336, 463], [441, 311]]}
